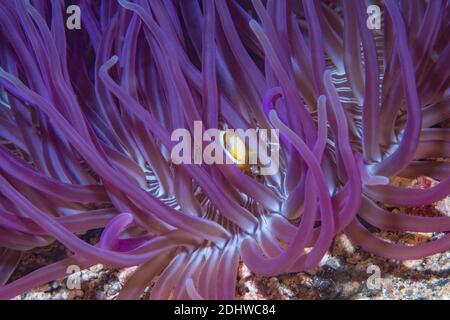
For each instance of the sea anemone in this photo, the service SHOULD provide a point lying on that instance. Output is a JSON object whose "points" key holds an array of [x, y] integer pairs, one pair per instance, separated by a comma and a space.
{"points": [[86, 117]]}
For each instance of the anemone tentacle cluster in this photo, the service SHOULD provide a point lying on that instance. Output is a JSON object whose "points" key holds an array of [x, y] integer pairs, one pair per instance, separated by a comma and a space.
{"points": [[86, 118]]}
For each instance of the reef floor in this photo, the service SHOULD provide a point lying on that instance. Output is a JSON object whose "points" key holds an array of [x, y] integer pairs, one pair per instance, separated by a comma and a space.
{"points": [[346, 272]]}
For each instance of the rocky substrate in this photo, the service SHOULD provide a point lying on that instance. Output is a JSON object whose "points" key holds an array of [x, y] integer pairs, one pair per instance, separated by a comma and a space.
{"points": [[345, 273]]}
